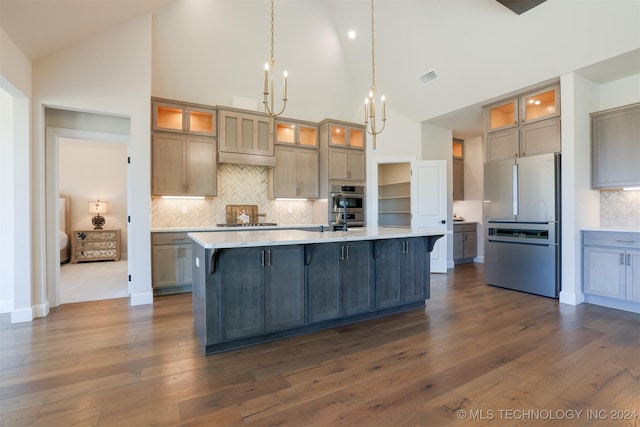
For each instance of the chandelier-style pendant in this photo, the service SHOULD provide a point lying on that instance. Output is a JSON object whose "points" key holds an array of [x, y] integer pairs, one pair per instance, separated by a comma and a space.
{"points": [[269, 68], [369, 102]]}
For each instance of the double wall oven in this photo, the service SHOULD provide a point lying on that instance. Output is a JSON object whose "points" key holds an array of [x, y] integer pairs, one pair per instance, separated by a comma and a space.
{"points": [[351, 196]]}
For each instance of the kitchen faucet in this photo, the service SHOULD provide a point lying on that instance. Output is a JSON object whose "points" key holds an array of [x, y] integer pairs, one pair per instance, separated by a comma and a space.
{"points": [[339, 197]]}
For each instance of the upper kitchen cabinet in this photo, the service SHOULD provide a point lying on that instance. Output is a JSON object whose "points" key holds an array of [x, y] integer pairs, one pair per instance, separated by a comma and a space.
{"points": [[502, 115], [176, 116], [342, 152], [297, 132], [245, 137], [346, 135], [615, 147], [458, 170], [183, 165], [524, 126], [296, 173]]}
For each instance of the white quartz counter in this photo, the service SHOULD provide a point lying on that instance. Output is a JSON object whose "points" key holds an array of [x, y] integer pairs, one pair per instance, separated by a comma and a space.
{"points": [[277, 237], [212, 228], [616, 230]]}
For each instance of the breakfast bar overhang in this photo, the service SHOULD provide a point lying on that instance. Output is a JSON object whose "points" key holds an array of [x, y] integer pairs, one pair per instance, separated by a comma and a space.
{"points": [[257, 286]]}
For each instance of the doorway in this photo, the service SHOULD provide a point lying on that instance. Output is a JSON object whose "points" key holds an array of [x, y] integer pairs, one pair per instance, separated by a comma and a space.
{"points": [[88, 128], [90, 170], [410, 193]]}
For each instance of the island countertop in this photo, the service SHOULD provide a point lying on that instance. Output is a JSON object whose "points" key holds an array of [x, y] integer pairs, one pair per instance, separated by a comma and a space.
{"points": [[253, 238]]}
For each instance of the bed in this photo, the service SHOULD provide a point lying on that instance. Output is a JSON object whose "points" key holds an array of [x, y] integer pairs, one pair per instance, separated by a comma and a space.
{"points": [[65, 228]]}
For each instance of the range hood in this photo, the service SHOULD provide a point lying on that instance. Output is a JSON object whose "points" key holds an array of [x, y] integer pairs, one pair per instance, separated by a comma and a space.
{"points": [[520, 6]]}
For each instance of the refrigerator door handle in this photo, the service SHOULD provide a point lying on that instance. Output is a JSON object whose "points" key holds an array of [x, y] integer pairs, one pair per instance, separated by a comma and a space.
{"points": [[514, 175]]}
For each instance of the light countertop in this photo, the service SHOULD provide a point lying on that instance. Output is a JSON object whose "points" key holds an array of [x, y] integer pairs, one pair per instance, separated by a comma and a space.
{"points": [[612, 229], [211, 228], [253, 238]]}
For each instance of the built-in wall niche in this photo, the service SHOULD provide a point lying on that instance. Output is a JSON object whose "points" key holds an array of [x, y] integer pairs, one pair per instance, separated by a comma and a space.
{"points": [[394, 194]]}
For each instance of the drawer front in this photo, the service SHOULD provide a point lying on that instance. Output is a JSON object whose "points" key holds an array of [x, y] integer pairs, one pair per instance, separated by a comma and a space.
{"points": [[613, 239], [463, 227], [170, 238]]}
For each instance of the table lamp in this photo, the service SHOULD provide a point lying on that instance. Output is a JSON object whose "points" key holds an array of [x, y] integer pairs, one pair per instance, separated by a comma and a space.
{"points": [[98, 208]]}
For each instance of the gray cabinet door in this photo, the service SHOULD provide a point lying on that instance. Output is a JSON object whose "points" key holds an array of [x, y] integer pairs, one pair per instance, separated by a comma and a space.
{"points": [[324, 281], [324, 286], [414, 270], [632, 261], [356, 165], [502, 144], [308, 173], [387, 253], [540, 137], [337, 163], [458, 245], [285, 174], [284, 287], [458, 179], [241, 281], [470, 244], [357, 278], [166, 265], [604, 272], [168, 164], [615, 147]]}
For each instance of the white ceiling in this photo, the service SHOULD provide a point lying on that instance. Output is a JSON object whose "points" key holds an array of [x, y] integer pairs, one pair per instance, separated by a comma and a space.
{"points": [[42, 27]]}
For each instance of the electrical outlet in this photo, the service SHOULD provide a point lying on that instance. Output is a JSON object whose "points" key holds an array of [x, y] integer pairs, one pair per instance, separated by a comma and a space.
{"points": [[290, 209], [184, 209]]}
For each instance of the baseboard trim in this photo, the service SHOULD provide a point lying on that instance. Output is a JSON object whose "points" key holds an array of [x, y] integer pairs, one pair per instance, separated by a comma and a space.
{"points": [[571, 298], [141, 299], [21, 315]]}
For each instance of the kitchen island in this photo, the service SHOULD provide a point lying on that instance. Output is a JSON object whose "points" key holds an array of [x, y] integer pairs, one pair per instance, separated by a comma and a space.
{"points": [[262, 285]]}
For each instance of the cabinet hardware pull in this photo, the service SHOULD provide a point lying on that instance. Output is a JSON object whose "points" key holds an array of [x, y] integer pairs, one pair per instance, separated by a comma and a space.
{"points": [[404, 246], [347, 247], [625, 241], [628, 259], [269, 258], [262, 258], [407, 242], [341, 252], [621, 259]]}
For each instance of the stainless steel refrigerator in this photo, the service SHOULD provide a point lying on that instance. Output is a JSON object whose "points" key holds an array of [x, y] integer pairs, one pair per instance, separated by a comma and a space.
{"points": [[522, 217]]}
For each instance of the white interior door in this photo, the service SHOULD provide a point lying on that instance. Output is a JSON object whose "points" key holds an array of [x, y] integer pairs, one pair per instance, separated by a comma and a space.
{"points": [[429, 206]]}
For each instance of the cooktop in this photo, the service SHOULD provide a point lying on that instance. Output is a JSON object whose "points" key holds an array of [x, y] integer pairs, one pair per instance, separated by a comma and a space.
{"points": [[248, 224]]}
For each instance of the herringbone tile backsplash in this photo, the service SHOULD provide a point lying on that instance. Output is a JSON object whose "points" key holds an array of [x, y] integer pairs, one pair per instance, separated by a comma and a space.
{"points": [[237, 185], [620, 209]]}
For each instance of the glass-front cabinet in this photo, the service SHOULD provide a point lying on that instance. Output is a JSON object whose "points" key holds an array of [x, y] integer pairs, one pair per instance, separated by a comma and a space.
{"points": [[297, 132], [171, 116], [541, 104], [346, 136], [502, 115]]}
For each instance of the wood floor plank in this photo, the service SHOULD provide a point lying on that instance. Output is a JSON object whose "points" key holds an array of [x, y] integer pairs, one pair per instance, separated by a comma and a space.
{"points": [[474, 348]]}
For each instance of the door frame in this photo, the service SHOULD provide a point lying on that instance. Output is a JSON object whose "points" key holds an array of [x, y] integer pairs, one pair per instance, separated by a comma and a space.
{"points": [[52, 212], [374, 183]]}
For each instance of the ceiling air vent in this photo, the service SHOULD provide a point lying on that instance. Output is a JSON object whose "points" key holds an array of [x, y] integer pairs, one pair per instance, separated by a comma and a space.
{"points": [[427, 77]]}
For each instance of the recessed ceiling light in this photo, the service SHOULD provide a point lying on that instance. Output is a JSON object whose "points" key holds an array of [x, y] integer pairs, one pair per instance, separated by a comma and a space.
{"points": [[352, 34]]}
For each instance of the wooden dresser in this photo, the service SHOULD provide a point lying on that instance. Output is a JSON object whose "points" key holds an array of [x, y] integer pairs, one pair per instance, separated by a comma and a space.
{"points": [[95, 245]]}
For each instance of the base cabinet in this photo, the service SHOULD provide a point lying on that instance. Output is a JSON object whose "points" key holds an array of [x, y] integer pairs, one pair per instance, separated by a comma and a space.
{"points": [[340, 280], [172, 262], [249, 295], [402, 269], [611, 269], [261, 290], [465, 242]]}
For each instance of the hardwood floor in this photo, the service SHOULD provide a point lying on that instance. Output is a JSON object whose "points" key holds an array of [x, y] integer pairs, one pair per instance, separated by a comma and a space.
{"points": [[477, 355]]}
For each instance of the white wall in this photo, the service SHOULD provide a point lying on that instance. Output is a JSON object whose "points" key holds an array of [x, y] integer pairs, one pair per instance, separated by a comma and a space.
{"points": [[15, 187], [92, 170], [400, 141], [437, 145], [111, 74], [471, 207], [581, 204], [208, 52]]}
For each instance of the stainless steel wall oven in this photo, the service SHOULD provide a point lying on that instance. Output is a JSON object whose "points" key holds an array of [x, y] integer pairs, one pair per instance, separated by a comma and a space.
{"points": [[353, 197]]}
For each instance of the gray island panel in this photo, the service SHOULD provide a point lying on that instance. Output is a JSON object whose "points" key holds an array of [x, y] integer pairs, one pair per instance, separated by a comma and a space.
{"points": [[259, 286]]}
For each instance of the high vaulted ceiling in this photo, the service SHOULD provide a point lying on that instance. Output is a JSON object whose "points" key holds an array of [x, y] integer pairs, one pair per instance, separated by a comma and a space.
{"points": [[465, 41]]}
